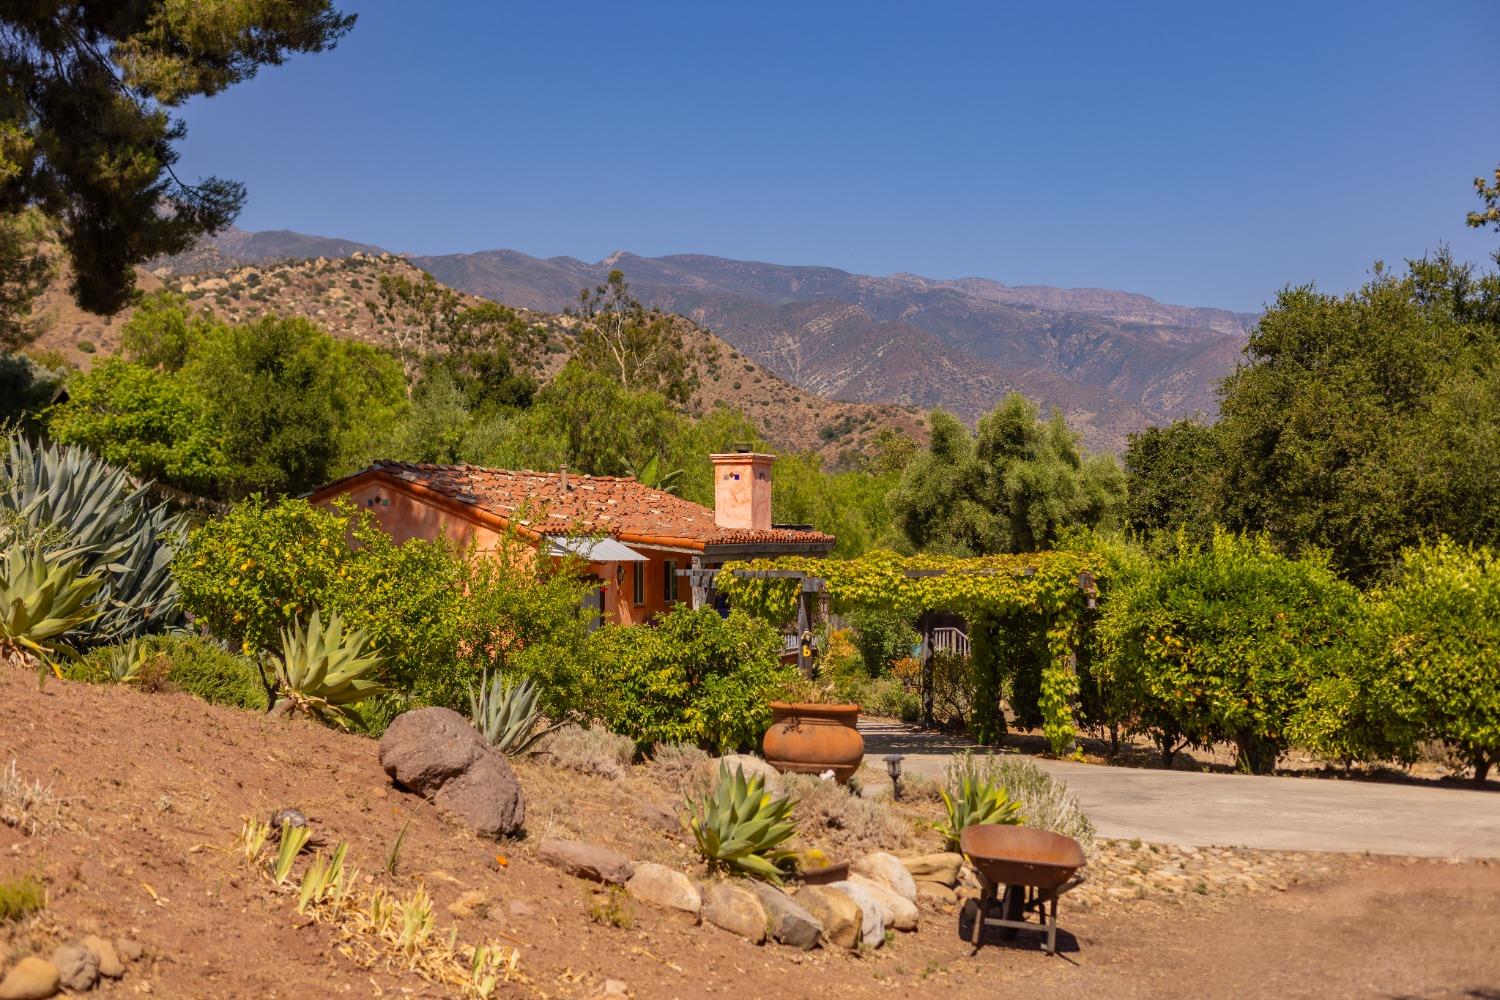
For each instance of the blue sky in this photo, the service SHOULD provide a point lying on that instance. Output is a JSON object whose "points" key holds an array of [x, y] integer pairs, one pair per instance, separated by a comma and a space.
{"points": [[1202, 153]]}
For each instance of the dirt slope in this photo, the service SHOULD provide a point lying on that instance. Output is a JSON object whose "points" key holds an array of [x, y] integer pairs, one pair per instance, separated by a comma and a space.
{"points": [[153, 789]]}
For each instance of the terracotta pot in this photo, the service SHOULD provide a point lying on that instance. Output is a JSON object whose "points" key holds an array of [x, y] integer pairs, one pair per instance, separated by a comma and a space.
{"points": [[811, 739]]}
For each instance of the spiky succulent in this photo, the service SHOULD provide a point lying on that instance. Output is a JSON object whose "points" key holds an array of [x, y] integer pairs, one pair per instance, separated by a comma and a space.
{"points": [[324, 672], [75, 505], [506, 714], [42, 599], [127, 661], [739, 825], [972, 802]]}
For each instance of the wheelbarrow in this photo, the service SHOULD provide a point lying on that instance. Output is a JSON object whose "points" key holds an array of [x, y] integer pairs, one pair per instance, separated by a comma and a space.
{"points": [[1033, 867]]}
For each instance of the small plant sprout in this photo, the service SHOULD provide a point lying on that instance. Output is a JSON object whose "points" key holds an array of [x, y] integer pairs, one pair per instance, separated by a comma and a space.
{"points": [[325, 881], [293, 839], [253, 836]]}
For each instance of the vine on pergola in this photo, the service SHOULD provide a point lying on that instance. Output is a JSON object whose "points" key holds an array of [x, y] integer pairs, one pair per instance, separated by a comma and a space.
{"points": [[992, 592]]}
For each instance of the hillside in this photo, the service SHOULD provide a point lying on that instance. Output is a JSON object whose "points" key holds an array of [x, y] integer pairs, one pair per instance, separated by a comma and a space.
{"points": [[1112, 362], [336, 292]]}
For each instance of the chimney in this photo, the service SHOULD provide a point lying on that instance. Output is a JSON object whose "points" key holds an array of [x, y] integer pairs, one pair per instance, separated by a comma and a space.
{"points": [[742, 489]]}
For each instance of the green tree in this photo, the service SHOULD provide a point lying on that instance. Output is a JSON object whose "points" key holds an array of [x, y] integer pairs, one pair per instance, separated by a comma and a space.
{"points": [[640, 349], [1490, 195], [1171, 479], [25, 269], [1010, 487], [86, 130], [1365, 423]]}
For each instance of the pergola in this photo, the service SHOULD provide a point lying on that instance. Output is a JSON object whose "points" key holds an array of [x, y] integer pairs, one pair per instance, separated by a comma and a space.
{"points": [[991, 592]]}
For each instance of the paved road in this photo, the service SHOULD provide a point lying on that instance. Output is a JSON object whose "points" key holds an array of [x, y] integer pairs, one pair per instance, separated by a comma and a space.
{"points": [[1241, 810]]}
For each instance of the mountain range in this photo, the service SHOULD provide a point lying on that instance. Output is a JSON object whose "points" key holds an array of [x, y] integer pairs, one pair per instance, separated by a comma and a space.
{"points": [[1112, 362]]}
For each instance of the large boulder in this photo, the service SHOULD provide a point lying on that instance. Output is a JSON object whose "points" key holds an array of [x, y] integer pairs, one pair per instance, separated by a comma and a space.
{"points": [[898, 912], [589, 861], [941, 868], [888, 870], [436, 753], [736, 910], [872, 927], [787, 922], [665, 887], [31, 978], [840, 915]]}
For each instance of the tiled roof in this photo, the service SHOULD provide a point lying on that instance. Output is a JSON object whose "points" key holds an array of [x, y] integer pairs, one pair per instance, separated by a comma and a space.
{"points": [[610, 505]]}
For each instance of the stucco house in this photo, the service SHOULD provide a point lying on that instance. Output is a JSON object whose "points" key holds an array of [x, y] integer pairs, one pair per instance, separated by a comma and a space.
{"points": [[644, 545]]}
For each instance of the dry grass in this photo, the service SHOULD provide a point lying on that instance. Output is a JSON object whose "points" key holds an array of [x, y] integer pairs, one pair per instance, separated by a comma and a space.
{"points": [[679, 767], [27, 806], [587, 751]]}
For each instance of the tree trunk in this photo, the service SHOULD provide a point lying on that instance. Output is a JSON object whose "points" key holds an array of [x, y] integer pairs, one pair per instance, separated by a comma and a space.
{"points": [[1254, 755], [1482, 762]]}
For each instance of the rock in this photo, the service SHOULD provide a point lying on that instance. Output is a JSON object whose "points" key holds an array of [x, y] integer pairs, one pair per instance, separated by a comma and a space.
{"points": [[469, 903], [941, 868], [661, 817], [787, 921], [888, 870], [898, 912], [588, 861], [109, 959], [520, 908], [436, 753], [486, 798], [31, 978], [77, 968], [872, 927], [751, 765], [840, 915], [129, 949], [615, 988], [937, 892], [736, 910], [664, 887]]}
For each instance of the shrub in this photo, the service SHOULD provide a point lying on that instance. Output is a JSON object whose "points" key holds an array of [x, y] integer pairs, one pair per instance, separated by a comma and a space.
{"points": [[588, 750], [1431, 670], [1225, 643], [21, 897], [973, 797], [882, 637], [678, 765], [1045, 802], [849, 824], [187, 663], [696, 677]]}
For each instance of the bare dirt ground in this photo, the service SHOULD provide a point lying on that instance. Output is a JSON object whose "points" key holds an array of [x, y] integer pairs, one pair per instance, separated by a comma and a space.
{"points": [[152, 790]]}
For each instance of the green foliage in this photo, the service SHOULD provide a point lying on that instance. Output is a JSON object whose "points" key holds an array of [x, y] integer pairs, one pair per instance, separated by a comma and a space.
{"points": [[42, 599], [972, 799], [694, 677], [882, 636], [25, 268], [1364, 423], [324, 673], [127, 661], [178, 661], [1013, 486], [86, 135], [439, 618], [1171, 475], [506, 714], [1430, 668], [739, 826], [1224, 643], [75, 506], [851, 504], [219, 410], [20, 897], [1045, 803]]}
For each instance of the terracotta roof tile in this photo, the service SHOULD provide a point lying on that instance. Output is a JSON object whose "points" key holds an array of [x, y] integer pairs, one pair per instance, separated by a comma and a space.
{"points": [[612, 505]]}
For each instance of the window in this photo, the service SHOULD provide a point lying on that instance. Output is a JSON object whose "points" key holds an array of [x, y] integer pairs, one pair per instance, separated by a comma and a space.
{"points": [[669, 581], [638, 583]]}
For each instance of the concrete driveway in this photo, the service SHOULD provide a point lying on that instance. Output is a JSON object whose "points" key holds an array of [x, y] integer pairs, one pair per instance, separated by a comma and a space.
{"points": [[1241, 810]]}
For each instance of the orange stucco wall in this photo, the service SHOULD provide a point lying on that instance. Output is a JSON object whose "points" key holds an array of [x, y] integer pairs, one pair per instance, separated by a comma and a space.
{"points": [[405, 517]]}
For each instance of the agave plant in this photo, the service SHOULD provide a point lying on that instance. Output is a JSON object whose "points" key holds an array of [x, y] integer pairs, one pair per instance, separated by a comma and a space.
{"points": [[506, 714], [42, 599], [975, 800], [127, 661], [75, 505], [739, 825], [324, 672]]}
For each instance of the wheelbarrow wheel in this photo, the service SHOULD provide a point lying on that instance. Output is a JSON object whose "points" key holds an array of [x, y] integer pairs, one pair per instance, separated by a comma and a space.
{"points": [[1013, 908]]}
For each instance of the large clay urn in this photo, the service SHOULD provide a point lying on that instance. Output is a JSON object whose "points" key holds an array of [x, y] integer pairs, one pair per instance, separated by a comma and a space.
{"points": [[811, 739]]}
